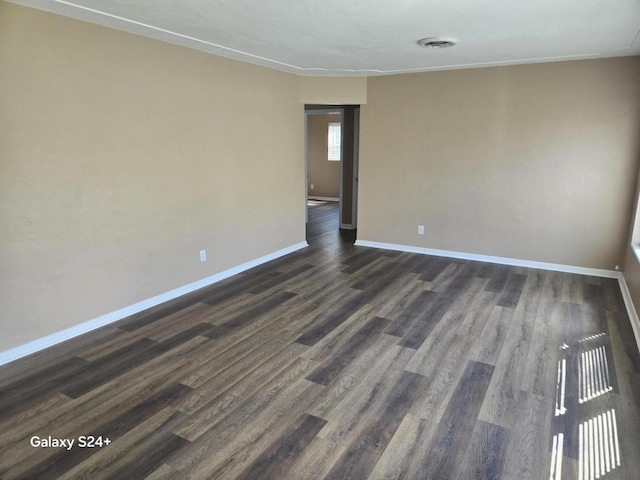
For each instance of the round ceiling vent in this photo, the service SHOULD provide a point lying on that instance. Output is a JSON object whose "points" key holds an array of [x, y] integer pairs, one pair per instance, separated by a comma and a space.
{"points": [[436, 42]]}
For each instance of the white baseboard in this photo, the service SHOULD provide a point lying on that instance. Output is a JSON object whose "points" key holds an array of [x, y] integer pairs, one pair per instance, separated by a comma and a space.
{"points": [[595, 272], [326, 199], [69, 333], [631, 309]]}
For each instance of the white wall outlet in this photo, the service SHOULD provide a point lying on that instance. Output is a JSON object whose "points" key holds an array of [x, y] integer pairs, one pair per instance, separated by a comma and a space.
{"points": [[312, 186], [420, 229], [203, 255]]}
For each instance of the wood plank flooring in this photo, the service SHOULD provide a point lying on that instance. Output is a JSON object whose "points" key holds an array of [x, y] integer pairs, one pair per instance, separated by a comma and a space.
{"points": [[342, 362]]}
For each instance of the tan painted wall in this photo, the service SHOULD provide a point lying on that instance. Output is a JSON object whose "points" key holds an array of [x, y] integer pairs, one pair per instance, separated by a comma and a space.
{"points": [[122, 157], [532, 162], [333, 90], [322, 173]]}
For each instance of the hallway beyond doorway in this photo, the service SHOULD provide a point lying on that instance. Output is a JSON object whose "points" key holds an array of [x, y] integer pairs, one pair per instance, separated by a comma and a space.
{"points": [[323, 228]]}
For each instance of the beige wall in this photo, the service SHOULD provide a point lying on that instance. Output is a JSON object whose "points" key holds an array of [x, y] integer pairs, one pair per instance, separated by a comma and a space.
{"points": [[532, 162], [323, 174], [122, 157], [333, 90]]}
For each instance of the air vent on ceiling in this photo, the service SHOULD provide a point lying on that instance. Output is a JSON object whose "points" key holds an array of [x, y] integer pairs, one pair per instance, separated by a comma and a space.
{"points": [[436, 42]]}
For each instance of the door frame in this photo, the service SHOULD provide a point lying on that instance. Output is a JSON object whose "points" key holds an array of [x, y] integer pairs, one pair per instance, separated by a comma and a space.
{"points": [[356, 162]]}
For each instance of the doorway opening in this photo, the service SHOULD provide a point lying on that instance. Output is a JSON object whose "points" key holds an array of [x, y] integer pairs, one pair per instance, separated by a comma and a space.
{"points": [[331, 167]]}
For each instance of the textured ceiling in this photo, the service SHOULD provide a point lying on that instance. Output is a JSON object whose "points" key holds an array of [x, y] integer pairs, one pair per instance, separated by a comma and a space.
{"points": [[373, 37]]}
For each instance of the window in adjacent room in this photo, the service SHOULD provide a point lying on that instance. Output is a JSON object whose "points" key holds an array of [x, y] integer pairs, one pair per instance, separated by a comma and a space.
{"points": [[334, 141], [635, 234]]}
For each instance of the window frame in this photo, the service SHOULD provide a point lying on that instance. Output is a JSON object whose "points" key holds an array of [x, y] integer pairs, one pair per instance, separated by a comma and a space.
{"points": [[334, 148]]}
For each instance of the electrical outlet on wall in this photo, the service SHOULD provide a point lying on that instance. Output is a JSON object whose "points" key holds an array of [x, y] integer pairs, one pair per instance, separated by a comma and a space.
{"points": [[312, 186], [420, 229], [203, 255]]}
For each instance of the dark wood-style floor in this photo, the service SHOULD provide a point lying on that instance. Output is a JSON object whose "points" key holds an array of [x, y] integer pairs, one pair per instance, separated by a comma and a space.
{"points": [[343, 362]]}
